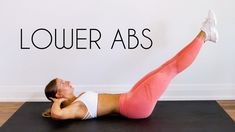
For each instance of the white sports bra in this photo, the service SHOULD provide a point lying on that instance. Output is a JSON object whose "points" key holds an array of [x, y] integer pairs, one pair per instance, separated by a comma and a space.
{"points": [[90, 99]]}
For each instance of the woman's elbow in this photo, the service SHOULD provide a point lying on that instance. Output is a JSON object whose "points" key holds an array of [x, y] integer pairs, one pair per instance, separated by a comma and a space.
{"points": [[57, 115]]}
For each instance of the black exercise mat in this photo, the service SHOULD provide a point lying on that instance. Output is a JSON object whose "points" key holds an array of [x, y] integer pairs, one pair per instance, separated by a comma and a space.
{"points": [[168, 116]]}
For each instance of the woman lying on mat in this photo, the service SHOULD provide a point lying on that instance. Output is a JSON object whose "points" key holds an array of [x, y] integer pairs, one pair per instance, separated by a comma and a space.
{"points": [[140, 101]]}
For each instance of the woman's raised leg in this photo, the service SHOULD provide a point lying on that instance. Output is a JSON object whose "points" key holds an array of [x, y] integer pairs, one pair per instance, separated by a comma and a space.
{"points": [[140, 101]]}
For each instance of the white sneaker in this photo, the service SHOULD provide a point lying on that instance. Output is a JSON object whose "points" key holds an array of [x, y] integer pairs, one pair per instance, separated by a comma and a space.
{"points": [[209, 27]]}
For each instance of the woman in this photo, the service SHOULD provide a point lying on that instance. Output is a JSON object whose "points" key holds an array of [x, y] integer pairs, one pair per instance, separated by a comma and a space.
{"points": [[140, 101]]}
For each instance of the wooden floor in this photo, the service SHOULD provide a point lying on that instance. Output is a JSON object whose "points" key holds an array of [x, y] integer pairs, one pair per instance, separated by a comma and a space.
{"points": [[8, 108], [229, 107]]}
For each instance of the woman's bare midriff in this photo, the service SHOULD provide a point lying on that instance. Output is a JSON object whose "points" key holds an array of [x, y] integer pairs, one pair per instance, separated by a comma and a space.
{"points": [[108, 103]]}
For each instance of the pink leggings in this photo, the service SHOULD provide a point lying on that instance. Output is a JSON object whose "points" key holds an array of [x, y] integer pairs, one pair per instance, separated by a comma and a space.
{"points": [[140, 101]]}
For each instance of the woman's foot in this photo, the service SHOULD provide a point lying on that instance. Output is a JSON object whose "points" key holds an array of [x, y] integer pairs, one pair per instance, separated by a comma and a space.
{"points": [[209, 27]]}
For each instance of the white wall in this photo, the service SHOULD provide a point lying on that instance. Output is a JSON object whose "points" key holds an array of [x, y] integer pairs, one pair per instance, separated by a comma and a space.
{"points": [[25, 72]]}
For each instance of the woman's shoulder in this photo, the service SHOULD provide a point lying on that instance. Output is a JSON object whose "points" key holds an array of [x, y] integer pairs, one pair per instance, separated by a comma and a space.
{"points": [[75, 110]]}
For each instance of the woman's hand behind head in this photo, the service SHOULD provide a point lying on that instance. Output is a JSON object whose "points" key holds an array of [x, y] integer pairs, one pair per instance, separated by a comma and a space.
{"points": [[60, 100]]}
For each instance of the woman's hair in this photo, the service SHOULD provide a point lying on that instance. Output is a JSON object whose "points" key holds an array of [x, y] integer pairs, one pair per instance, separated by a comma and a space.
{"points": [[50, 91], [47, 113]]}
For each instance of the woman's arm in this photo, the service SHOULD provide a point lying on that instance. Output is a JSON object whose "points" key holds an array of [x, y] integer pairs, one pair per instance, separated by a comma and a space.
{"points": [[70, 112], [56, 111]]}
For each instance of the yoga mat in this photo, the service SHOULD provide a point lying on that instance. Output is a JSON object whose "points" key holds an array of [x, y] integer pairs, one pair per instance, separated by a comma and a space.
{"points": [[168, 116]]}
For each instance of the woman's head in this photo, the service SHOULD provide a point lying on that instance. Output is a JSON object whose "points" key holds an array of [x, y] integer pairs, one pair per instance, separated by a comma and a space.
{"points": [[58, 88]]}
